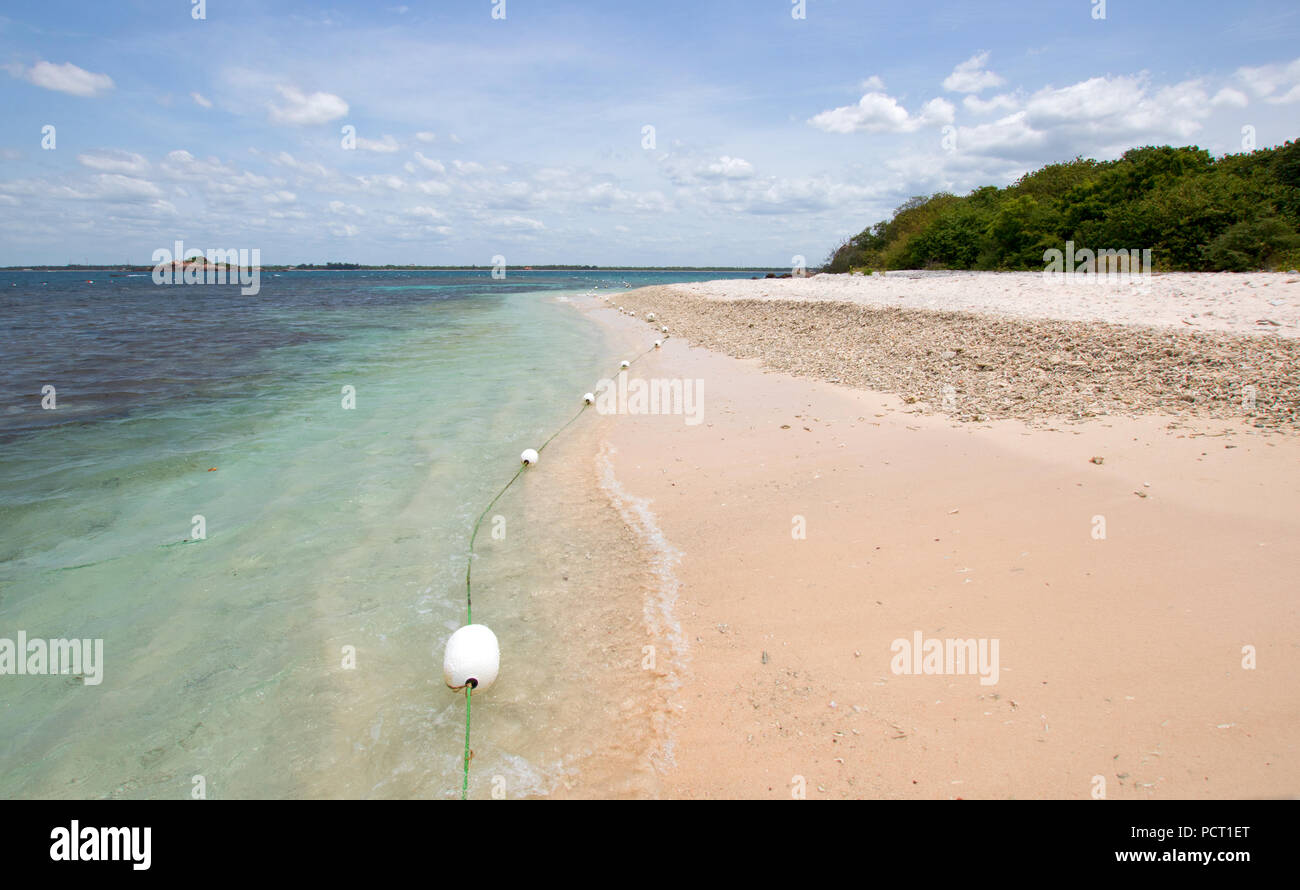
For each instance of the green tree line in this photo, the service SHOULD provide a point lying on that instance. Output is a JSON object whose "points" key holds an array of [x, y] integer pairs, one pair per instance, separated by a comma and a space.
{"points": [[1194, 212]]}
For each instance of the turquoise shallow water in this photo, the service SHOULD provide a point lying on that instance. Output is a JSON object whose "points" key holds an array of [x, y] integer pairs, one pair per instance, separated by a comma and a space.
{"points": [[326, 527]]}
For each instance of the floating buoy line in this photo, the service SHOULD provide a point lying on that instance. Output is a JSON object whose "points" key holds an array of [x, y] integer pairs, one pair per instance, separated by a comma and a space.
{"points": [[472, 657]]}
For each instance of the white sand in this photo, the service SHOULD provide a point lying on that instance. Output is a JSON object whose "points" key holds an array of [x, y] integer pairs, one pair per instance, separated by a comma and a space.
{"points": [[1223, 302]]}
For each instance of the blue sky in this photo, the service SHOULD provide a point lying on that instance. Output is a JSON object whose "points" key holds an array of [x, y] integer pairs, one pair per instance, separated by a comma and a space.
{"points": [[524, 136]]}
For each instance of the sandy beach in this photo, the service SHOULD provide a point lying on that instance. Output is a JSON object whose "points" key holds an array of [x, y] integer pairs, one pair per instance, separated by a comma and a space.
{"points": [[1133, 566], [1031, 359], [1224, 301]]}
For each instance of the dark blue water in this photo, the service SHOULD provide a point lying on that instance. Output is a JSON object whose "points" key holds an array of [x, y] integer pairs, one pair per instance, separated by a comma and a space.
{"points": [[113, 345]]}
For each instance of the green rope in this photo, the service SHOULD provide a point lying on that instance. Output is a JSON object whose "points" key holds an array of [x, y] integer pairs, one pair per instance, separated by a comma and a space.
{"points": [[563, 428], [464, 789], [469, 563], [469, 566]]}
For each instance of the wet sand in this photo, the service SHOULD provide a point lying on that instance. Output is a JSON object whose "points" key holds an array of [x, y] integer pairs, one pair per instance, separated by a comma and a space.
{"points": [[1120, 655]]}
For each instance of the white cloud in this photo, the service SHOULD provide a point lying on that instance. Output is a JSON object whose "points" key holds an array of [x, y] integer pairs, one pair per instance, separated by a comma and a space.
{"points": [[1094, 99], [425, 136], [873, 84], [776, 195], [730, 168], [300, 109], [423, 212], [875, 112], [110, 187], [936, 111], [1009, 134], [971, 76], [201, 100], [312, 169], [1120, 108], [1228, 97], [67, 78], [342, 209], [385, 145], [1100, 116], [603, 194], [210, 174], [183, 162], [1001, 102], [115, 162], [432, 187], [422, 233], [519, 223], [1266, 80], [509, 194], [880, 113], [429, 164], [114, 186], [394, 183]]}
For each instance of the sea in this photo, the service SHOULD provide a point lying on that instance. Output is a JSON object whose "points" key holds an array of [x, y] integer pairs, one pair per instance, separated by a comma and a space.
{"points": [[261, 505]]}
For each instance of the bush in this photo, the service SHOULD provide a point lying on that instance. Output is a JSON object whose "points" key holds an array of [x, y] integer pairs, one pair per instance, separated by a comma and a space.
{"points": [[1192, 211], [1252, 245]]}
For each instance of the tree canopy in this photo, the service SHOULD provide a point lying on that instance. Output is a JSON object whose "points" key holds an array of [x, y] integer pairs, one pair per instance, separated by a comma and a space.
{"points": [[1194, 212]]}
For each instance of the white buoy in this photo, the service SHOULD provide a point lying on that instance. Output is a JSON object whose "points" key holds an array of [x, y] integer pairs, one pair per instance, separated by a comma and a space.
{"points": [[649, 316], [529, 456], [625, 365], [658, 343], [472, 658], [589, 399]]}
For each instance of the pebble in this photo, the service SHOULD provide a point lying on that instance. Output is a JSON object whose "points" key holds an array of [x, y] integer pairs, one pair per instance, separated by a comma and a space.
{"points": [[1035, 369]]}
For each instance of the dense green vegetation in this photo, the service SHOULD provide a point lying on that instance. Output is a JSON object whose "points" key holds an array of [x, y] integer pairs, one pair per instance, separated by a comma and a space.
{"points": [[1194, 212]]}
